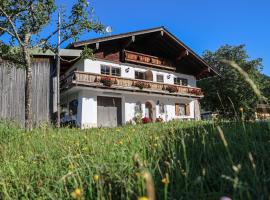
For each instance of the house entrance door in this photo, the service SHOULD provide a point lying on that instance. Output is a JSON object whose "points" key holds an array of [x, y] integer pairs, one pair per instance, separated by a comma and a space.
{"points": [[150, 111], [109, 112]]}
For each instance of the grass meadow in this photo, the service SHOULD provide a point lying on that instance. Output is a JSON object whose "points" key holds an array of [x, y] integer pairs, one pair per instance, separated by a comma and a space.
{"points": [[176, 160]]}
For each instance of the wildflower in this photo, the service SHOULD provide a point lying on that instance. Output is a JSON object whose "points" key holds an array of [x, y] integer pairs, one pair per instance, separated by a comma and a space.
{"points": [[155, 145], [166, 180], [120, 142], [142, 198], [96, 178], [241, 109], [236, 168], [77, 193]]}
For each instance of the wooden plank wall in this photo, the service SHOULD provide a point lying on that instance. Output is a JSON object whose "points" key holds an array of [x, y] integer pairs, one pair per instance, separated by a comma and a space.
{"points": [[12, 85]]}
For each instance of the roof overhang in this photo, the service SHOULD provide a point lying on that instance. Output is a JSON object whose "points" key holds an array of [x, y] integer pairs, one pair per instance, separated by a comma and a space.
{"points": [[212, 71]]}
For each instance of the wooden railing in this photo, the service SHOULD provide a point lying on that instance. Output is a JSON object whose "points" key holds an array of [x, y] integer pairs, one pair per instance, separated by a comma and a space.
{"points": [[140, 58], [115, 82]]}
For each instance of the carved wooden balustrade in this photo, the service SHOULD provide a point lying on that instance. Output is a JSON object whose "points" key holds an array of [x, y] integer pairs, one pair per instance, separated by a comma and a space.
{"points": [[144, 59], [114, 82]]}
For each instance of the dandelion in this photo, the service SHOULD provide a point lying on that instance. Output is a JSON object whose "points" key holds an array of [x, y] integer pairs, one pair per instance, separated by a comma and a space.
{"points": [[241, 109], [142, 198], [77, 193], [96, 178]]}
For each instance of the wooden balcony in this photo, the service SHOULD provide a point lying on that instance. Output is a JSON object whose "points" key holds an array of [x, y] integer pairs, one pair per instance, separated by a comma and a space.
{"points": [[149, 60], [79, 78]]}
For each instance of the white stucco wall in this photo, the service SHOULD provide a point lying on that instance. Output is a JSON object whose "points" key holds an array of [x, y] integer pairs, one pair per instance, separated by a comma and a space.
{"points": [[87, 97], [87, 105], [93, 66]]}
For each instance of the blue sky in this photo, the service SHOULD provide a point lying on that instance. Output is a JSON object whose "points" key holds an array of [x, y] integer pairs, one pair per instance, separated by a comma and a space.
{"points": [[201, 24]]}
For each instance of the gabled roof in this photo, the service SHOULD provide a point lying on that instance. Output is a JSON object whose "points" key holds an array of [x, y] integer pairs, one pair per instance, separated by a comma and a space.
{"points": [[162, 30]]}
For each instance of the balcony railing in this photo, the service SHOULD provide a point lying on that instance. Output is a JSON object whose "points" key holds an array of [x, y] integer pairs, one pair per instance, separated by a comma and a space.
{"points": [[140, 58], [114, 82]]}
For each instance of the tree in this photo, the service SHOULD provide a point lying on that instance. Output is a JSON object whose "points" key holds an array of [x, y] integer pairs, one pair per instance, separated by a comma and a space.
{"points": [[231, 92], [21, 26]]}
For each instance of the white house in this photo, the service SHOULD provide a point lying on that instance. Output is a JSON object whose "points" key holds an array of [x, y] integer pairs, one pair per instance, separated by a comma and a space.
{"points": [[148, 73]]}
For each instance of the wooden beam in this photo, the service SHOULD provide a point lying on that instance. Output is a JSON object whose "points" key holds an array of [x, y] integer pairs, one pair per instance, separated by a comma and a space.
{"points": [[97, 45], [182, 55], [129, 42]]}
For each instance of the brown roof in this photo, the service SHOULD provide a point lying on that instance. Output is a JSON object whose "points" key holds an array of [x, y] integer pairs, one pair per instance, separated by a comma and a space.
{"points": [[142, 32]]}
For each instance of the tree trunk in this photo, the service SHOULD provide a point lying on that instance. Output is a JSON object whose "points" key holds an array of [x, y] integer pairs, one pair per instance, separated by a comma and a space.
{"points": [[28, 91]]}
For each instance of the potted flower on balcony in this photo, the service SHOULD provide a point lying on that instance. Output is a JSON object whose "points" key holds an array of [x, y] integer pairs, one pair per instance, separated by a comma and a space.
{"points": [[195, 91], [107, 81], [172, 88], [139, 84]]}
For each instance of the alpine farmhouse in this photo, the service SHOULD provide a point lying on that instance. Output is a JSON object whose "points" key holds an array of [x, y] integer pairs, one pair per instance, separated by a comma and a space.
{"points": [[147, 74]]}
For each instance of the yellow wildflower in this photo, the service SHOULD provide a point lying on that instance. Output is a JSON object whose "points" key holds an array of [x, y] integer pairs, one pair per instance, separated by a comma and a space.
{"points": [[120, 142], [166, 180], [96, 178], [155, 145], [142, 198], [77, 193], [241, 109]]}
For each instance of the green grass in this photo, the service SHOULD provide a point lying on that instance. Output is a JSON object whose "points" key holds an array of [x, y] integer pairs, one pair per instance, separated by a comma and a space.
{"points": [[50, 164]]}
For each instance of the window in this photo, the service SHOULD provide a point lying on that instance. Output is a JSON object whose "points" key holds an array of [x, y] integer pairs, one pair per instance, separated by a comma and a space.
{"points": [[161, 108], [180, 81], [138, 107], [139, 75], [182, 109], [160, 78], [108, 70], [116, 71]]}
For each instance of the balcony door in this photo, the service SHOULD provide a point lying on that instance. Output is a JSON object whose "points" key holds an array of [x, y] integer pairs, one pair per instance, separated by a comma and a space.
{"points": [[109, 112]]}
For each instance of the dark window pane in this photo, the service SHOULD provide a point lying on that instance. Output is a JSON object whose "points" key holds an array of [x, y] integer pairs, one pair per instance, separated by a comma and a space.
{"points": [[139, 75], [180, 81], [182, 109], [160, 78], [177, 81], [184, 82], [116, 71], [105, 70]]}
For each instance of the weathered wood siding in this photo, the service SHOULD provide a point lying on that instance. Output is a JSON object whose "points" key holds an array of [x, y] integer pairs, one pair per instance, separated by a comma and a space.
{"points": [[12, 91]]}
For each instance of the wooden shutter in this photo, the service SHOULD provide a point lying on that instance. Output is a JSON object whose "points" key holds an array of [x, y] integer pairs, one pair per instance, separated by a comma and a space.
{"points": [[177, 112], [149, 75], [187, 109]]}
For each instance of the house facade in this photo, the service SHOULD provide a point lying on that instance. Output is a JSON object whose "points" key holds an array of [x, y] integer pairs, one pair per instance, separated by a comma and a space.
{"points": [[146, 74]]}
